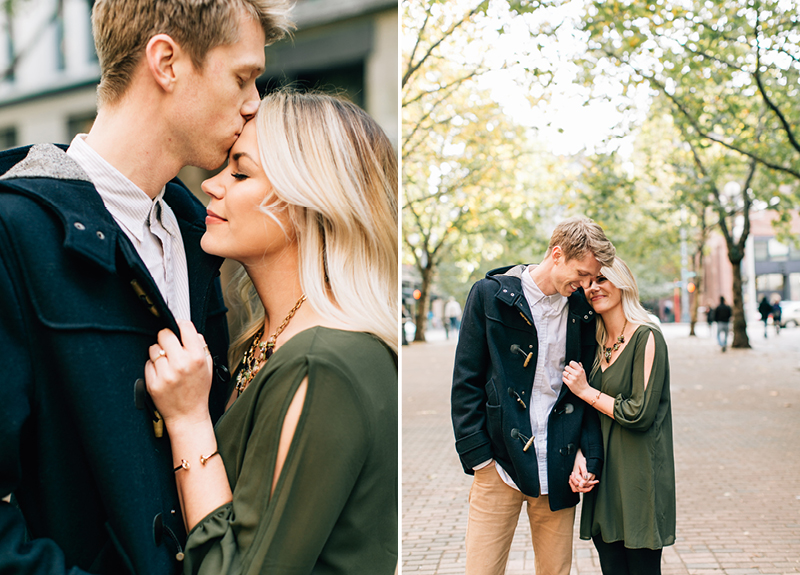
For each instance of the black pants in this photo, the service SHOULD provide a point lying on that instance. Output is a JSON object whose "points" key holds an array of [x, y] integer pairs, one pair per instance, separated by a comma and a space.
{"points": [[616, 559]]}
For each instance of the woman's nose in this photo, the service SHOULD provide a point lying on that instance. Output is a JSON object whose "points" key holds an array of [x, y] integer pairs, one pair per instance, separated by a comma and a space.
{"points": [[212, 187]]}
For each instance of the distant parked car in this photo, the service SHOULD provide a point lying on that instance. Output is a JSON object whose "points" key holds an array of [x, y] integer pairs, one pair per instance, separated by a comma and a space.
{"points": [[790, 313]]}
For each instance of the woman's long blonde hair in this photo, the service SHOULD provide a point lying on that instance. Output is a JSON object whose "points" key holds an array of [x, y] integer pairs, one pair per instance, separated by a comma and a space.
{"points": [[335, 171], [620, 275]]}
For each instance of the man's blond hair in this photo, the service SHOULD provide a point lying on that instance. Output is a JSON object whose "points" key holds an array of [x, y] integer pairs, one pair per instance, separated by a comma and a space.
{"points": [[580, 236], [122, 29]]}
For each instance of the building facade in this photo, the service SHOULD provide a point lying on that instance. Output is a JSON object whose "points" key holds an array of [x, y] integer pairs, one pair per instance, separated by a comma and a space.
{"points": [[770, 268], [775, 263]]}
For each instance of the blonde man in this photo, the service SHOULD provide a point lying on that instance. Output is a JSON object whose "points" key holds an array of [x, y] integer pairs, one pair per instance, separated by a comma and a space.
{"points": [[518, 429], [99, 250]]}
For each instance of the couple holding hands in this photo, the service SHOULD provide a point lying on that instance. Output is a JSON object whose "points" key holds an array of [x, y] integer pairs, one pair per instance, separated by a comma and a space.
{"points": [[561, 387]]}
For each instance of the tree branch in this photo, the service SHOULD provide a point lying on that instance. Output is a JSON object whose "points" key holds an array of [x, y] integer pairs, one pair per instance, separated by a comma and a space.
{"points": [[704, 134], [412, 67], [787, 128], [454, 83]]}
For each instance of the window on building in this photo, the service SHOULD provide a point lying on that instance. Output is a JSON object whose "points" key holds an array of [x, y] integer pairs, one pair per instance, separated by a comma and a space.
{"points": [[778, 252], [89, 37], [8, 137], [769, 283], [344, 81], [794, 286], [8, 71], [80, 124], [761, 251], [58, 18]]}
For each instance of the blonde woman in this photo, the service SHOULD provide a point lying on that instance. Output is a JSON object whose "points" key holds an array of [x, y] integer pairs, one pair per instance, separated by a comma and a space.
{"points": [[300, 473], [630, 513]]}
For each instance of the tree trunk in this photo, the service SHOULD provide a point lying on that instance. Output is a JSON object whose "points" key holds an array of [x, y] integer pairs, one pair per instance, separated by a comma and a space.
{"points": [[693, 308], [740, 339], [423, 303], [697, 268]]}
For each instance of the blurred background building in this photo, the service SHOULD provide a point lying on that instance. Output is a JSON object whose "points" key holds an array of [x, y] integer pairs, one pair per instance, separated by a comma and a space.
{"points": [[771, 266], [50, 71]]}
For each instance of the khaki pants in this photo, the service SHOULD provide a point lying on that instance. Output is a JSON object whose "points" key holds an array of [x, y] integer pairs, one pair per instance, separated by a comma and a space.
{"points": [[494, 509]]}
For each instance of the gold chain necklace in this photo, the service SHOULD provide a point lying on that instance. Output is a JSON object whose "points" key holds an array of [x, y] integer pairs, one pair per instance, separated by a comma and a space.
{"points": [[260, 351], [607, 351]]}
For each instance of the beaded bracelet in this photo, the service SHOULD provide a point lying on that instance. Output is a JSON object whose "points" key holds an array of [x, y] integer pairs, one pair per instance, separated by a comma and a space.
{"points": [[203, 459]]}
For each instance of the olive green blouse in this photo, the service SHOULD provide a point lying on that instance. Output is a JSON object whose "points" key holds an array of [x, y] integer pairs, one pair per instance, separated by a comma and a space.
{"points": [[335, 506], [634, 501]]}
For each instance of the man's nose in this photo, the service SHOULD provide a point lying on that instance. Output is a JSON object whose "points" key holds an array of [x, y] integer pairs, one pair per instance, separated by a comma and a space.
{"points": [[250, 106]]}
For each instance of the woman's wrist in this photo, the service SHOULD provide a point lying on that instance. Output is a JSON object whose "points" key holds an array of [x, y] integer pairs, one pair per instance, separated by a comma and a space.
{"points": [[587, 394], [192, 444], [187, 425]]}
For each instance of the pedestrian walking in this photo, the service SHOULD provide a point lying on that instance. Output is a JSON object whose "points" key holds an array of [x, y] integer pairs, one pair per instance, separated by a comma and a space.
{"points": [[406, 317], [517, 427], [710, 318], [630, 514], [765, 309], [776, 315], [722, 315], [452, 315]]}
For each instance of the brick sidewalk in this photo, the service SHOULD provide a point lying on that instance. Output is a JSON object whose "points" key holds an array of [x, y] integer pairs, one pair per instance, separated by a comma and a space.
{"points": [[736, 420]]}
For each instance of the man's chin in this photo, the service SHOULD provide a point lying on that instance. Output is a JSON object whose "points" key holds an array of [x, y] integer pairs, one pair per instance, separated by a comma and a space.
{"points": [[211, 163], [568, 290]]}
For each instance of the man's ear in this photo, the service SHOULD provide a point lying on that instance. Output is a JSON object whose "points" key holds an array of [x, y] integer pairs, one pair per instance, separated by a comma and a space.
{"points": [[161, 55], [557, 254]]}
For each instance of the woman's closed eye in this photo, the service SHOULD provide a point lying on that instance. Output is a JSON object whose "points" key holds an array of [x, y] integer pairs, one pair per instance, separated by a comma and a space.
{"points": [[239, 176]]}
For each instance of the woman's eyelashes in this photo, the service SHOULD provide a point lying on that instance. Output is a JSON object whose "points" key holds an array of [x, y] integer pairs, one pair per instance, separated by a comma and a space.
{"points": [[239, 176]]}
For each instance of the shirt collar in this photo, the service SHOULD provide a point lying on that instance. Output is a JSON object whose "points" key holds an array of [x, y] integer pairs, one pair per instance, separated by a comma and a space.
{"points": [[555, 301], [126, 201]]}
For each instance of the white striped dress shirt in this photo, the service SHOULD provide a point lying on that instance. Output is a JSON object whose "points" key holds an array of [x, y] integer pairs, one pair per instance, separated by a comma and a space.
{"points": [[550, 314], [150, 225]]}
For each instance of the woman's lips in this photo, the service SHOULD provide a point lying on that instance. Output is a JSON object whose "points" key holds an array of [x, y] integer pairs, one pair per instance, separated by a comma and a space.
{"points": [[213, 218]]}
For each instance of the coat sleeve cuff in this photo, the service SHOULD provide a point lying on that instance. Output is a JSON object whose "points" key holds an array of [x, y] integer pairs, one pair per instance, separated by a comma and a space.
{"points": [[594, 466], [474, 449]]}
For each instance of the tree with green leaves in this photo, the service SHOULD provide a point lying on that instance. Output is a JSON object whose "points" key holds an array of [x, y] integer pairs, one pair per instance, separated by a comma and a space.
{"points": [[730, 69], [462, 185], [730, 74]]}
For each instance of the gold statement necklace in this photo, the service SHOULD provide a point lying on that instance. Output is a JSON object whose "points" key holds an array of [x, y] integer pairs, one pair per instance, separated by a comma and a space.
{"points": [[607, 351], [260, 351]]}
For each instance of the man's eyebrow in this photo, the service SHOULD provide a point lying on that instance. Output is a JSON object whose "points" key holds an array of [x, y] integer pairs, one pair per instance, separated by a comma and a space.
{"points": [[252, 68]]}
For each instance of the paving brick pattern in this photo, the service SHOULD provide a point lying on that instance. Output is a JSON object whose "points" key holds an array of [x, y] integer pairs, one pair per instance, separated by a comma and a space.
{"points": [[736, 419]]}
